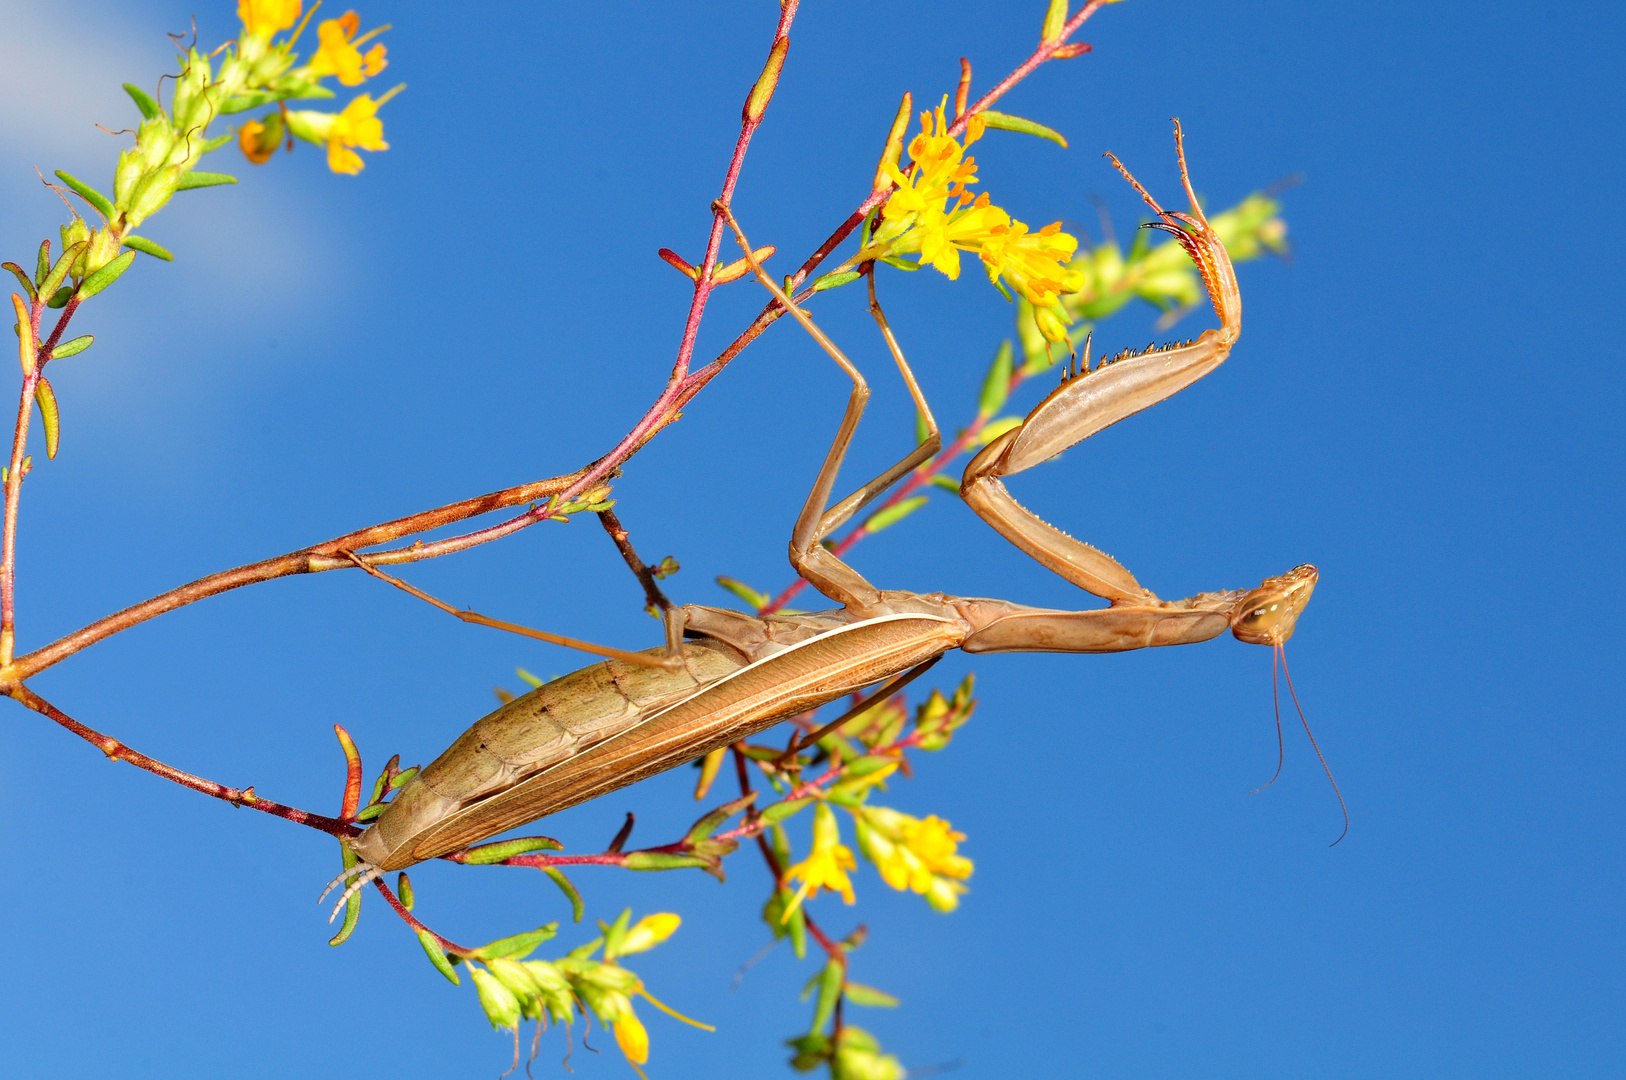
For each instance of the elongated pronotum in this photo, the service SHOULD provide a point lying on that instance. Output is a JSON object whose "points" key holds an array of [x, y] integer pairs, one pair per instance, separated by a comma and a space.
{"points": [[616, 722]]}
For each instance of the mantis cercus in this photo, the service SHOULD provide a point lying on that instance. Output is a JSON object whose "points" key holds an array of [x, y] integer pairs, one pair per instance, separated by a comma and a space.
{"points": [[725, 675]]}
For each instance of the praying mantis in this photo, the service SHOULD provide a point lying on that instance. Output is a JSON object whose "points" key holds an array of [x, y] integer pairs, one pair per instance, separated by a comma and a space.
{"points": [[724, 675]]}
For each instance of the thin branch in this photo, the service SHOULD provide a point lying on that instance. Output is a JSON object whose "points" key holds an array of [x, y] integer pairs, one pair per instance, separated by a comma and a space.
{"points": [[653, 595]]}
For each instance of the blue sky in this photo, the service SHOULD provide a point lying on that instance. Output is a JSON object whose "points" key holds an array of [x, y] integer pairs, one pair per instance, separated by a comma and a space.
{"points": [[1425, 403]]}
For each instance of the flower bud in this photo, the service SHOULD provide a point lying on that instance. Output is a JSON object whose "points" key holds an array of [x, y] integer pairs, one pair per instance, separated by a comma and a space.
{"points": [[259, 139], [649, 932], [499, 1002]]}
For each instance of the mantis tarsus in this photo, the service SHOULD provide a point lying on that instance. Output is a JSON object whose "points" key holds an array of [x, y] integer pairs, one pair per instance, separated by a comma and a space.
{"points": [[725, 675]]}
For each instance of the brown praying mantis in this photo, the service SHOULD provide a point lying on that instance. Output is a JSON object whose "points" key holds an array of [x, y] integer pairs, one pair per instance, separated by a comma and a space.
{"points": [[724, 675]]}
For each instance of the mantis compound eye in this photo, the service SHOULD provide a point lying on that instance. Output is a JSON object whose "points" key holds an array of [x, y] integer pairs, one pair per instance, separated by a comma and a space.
{"points": [[1268, 614]]}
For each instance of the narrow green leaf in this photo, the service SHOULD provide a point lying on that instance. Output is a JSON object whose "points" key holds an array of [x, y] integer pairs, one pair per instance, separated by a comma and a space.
{"points": [[143, 101], [61, 297], [43, 267], [203, 179], [757, 600], [486, 854], [576, 906], [403, 776], [899, 262], [370, 811], [46, 397], [829, 992], [352, 906], [517, 947], [1055, 17], [436, 956], [836, 280], [88, 193], [1006, 122], [22, 276], [996, 386], [104, 277], [535, 682], [922, 432], [403, 889], [859, 994], [947, 483], [149, 247], [660, 860], [779, 811], [709, 824], [214, 144], [895, 513]]}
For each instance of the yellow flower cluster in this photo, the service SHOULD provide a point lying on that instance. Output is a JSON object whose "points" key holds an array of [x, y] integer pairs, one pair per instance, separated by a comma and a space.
{"points": [[262, 18], [932, 214], [919, 854]]}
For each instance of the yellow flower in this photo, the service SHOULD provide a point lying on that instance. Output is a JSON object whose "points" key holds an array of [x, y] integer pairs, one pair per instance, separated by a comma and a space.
{"points": [[262, 18], [1034, 263], [918, 854], [826, 867], [340, 54], [938, 169], [357, 125], [632, 1037], [649, 932], [941, 237]]}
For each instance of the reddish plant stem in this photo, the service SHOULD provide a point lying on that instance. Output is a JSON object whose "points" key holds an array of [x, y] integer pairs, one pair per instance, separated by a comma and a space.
{"points": [[446, 944], [118, 751]]}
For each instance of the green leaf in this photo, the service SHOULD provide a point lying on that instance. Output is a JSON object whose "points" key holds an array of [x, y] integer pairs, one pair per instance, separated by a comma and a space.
{"points": [[44, 265], [996, 385], [88, 193], [895, 513], [1055, 17], [22, 276], [757, 600], [149, 108], [829, 992], [576, 906], [104, 277], [437, 956], [403, 888], [517, 947], [149, 247], [486, 854], [46, 397], [660, 860], [203, 179], [779, 811], [922, 431], [709, 824], [403, 776], [73, 347], [996, 428], [370, 811], [352, 906], [947, 483], [61, 297], [214, 144], [899, 262], [1006, 122], [859, 994], [535, 682], [836, 280]]}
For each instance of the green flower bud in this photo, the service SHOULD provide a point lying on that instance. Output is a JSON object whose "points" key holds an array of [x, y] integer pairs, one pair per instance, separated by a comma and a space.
{"points": [[501, 1006], [153, 193]]}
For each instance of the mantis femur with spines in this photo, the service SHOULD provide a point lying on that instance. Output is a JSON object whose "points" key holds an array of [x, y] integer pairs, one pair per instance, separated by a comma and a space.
{"points": [[725, 675]]}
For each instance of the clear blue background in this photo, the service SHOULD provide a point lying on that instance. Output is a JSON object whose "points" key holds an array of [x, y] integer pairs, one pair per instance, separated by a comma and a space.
{"points": [[1426, 404]]}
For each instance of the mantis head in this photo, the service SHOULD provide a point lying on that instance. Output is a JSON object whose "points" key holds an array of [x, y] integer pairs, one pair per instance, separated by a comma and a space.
{"points": [[1268, 614]]}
